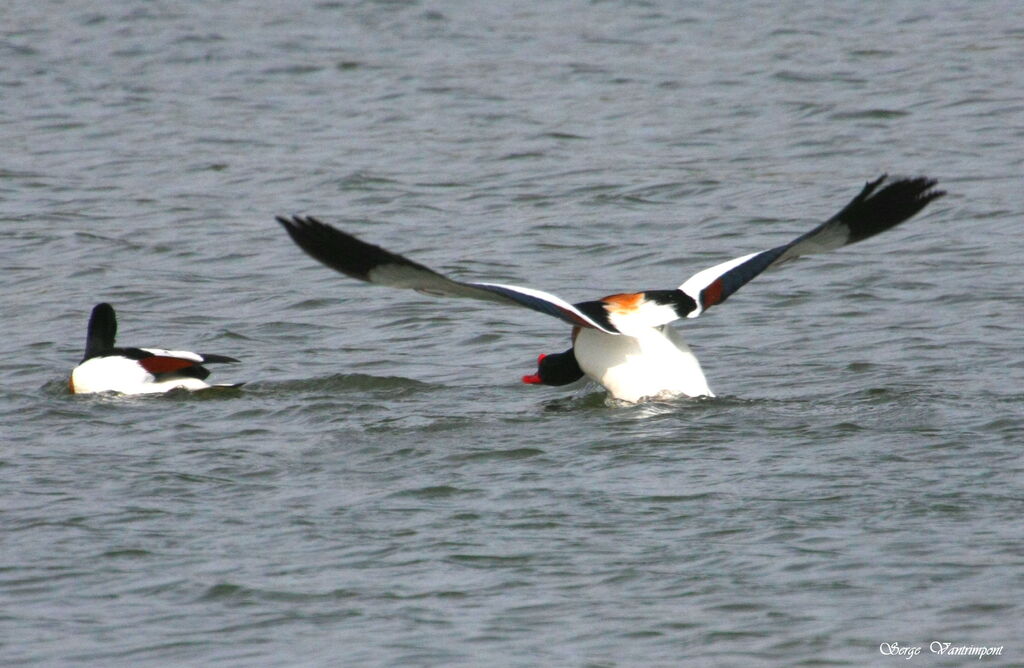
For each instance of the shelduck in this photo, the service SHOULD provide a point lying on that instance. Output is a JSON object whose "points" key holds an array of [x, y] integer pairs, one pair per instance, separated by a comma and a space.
{"points": [[623, 341], [105, 368]]}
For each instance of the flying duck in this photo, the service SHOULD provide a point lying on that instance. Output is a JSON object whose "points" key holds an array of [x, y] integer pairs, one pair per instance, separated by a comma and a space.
{"points": [[623, 341]]}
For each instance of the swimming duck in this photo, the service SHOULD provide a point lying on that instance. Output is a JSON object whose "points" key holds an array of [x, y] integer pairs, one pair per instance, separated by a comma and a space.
{"points": [[105, 368]]}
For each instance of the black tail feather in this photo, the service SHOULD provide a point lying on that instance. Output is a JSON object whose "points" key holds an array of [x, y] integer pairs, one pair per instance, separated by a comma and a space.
{"points": [[213, 359]]}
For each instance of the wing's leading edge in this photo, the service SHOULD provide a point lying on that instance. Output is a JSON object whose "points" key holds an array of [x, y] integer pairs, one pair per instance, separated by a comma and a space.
{"points": [[363, 261], [867, 214]]}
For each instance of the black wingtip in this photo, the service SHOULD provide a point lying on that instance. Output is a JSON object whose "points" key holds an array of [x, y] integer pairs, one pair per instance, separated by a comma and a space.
{"points": [[339, 250], [871, 212], [327, 245], [870, 187], [297, 222], [102, 330], [306, 231]]}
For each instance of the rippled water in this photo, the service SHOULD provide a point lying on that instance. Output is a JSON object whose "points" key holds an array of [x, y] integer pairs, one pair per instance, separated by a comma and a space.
{"points": [[384, 491]]}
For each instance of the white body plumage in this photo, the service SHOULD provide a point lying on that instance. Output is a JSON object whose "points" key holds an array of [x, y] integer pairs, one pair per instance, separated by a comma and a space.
{"points": [[646, 364]]}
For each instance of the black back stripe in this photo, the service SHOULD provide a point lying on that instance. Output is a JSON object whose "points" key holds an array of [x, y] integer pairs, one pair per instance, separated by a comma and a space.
{"points": [[681, 302]]}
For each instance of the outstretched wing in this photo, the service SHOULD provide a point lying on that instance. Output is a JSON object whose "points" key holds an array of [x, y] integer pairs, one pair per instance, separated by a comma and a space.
{"points": [[867, 214], [355, 258]]}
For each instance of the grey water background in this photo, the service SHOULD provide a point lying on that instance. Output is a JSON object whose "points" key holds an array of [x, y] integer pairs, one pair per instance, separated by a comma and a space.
{"points": [[384, 491]]}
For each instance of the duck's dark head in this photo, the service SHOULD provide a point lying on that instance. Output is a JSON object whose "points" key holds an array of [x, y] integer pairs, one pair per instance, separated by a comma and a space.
{"points": [[556, 369]]}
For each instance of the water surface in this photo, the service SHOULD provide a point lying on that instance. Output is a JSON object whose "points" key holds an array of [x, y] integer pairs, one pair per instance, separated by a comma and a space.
{"points": [[384, 491]]}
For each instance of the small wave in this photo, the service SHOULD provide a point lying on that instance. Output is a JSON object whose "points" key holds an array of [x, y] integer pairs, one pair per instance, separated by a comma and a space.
{"points": [[344, 382], [434, 492]]}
